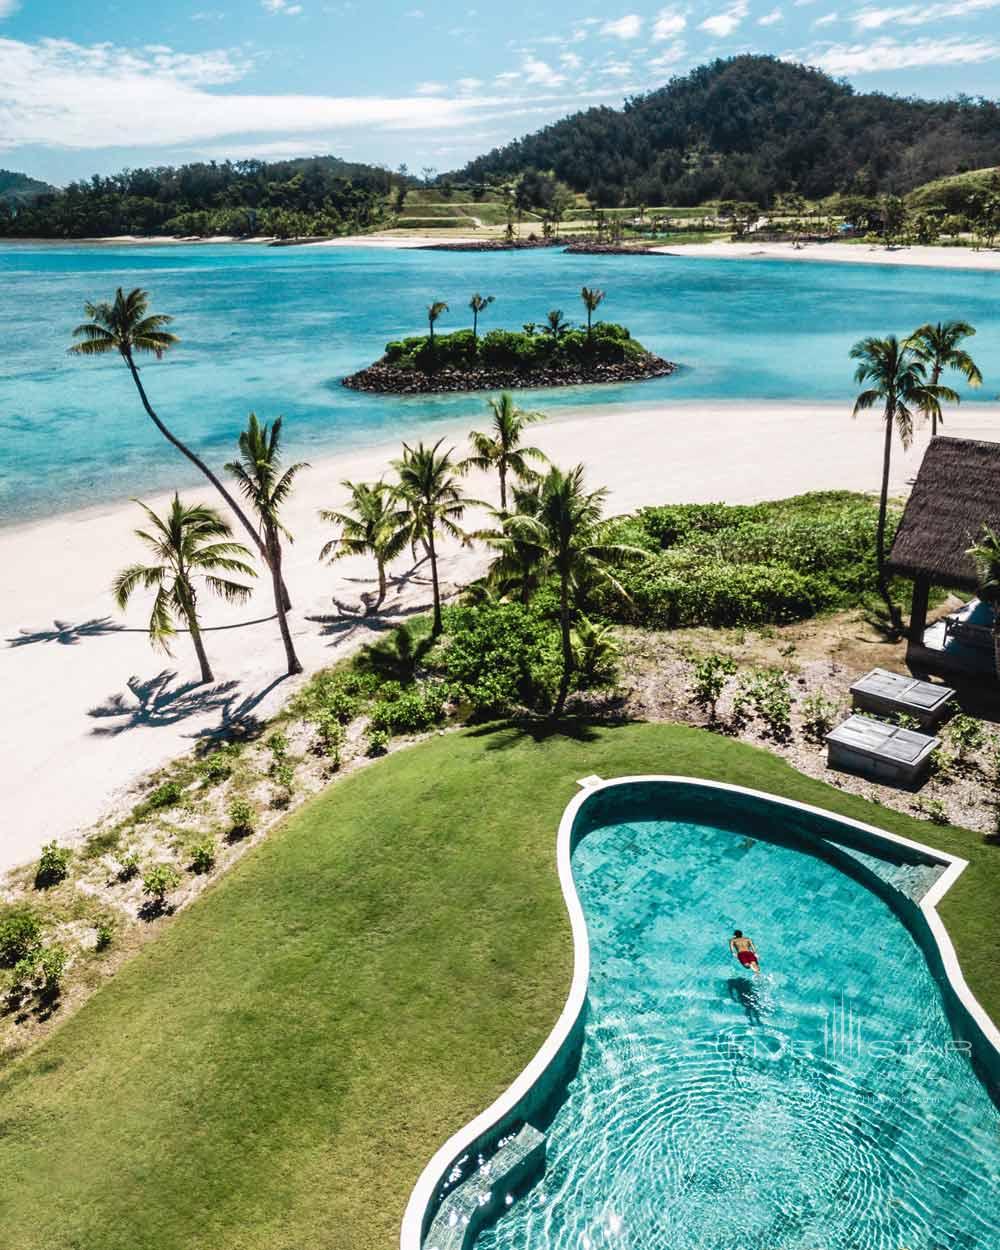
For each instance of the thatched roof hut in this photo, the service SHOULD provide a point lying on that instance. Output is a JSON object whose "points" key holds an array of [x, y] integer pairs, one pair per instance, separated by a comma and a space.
{"points": [[957, 490]]}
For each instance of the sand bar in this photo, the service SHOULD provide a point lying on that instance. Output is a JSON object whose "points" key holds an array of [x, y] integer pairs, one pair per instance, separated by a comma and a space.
{"points": [[89, 707]]}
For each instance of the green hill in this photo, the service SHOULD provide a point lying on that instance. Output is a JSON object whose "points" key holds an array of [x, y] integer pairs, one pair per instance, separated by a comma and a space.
{"points": [[958, 193], [749, 128], [18, 189]]}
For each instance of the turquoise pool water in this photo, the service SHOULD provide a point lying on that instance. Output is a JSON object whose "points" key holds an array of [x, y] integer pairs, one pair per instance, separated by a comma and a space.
{"points": [[824, 1106], [274, 329]]}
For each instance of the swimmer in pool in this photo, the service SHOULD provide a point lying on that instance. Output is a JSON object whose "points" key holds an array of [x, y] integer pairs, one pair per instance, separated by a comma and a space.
{"points": [[743, 948]]}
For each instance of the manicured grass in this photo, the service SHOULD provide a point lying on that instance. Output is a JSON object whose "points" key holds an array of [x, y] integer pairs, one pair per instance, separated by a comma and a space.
{"points": [[277, 1068]]}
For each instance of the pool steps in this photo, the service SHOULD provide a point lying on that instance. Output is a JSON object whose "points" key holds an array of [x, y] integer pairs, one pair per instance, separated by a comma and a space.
{"points": [[482, 1196]]}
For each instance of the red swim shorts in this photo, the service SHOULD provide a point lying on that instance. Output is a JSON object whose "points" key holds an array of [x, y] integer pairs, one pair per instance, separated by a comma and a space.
{"points": [[746, 958]]}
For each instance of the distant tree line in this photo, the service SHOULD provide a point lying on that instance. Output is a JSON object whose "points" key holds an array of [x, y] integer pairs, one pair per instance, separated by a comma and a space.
{"points": [[318, 196], [748, 129]]}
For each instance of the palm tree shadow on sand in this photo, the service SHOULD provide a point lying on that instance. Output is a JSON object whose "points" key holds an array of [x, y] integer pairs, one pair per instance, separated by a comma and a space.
{"points": [[157, 701], [68, 634]]}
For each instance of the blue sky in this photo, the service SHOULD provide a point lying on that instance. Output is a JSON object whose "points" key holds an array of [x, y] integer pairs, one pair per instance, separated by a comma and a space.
{"points": [[94, 87]]}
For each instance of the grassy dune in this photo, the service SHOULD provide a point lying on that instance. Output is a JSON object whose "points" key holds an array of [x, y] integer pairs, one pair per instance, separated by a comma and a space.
{"points": [[276, 1069]]}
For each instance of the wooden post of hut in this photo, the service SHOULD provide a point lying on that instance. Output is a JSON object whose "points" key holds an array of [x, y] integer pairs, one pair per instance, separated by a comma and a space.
{"points": [[956, 493]]}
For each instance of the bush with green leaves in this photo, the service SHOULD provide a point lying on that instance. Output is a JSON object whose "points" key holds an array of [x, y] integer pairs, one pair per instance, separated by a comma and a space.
{"points": [[217, 766], [818, 716], [52, 961], [158, 880], [377, 740], [105, 935], [409, 711], [932, 810], [498, 657], [242, 818], [283, 775], [203, 855], [965, 734], [708, 679], [128, 865], [168, 794], [330, 737], [53, 866], [277, 744], [771, 700], [20, 935]]}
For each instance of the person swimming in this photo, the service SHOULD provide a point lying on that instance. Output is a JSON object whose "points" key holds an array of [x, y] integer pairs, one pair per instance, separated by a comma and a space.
{"points": [[744, 950]]}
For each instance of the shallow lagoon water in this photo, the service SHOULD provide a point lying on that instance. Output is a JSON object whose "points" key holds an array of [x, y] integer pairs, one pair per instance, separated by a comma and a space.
{"points": [[274, 329], [825, 1105]]}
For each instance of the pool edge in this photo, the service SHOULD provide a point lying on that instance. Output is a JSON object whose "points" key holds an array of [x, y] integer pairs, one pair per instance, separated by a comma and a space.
{"points": [[423, 1192]]}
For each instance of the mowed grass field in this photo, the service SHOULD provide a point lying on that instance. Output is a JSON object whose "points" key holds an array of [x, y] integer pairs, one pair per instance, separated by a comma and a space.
{"points": [[277, 1068]]}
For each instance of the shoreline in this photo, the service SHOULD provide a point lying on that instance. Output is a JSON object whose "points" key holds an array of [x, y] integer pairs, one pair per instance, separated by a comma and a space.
{"points": [[90, 704]]}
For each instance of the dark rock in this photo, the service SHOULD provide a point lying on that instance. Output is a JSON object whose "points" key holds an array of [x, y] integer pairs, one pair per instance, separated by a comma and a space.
{"points": [[384, 379]]}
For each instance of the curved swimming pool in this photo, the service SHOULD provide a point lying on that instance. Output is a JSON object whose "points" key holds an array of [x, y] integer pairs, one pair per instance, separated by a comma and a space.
{"points": [[830, 1104]]}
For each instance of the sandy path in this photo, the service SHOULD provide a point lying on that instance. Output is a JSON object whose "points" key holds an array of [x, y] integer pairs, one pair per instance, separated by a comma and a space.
{"points": [[88, 707]]}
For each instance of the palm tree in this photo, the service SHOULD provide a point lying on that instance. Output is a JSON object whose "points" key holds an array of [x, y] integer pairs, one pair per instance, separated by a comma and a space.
{"points": [[898, 379], [375, 525], [592, 298], [128, 327], [189, 542], [428, 482], [479, 303], [500, 448], [986, 554], [257, 475], [555, 325], [434, 311], [938, 347], [565, 534], [518, 570]]}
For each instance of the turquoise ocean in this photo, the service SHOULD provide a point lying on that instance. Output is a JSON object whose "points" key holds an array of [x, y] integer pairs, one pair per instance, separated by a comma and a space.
{"points": [[275, 329]]}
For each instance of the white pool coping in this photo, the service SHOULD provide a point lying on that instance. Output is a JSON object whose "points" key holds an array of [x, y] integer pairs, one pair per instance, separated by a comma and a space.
{"points": [[430, 1178]]}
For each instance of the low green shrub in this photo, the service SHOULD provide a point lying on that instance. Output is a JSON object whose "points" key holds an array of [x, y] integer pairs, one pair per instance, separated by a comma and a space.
{"points": [[709, 676], [965, 734], [217, 766], [159, 880], [283, 775], [330, 737], [203, 855], [128, 865], [501, 656], [169, 794], [277, 744], [409, 711], [932, 810], [818, 716], [771, 700], [242, 818], [377, 739], [52, 961], [53, 866], [105, 931], [20, 935]]}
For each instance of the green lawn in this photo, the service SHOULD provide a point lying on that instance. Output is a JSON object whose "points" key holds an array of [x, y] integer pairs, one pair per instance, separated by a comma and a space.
{"points": [[277, 1068]]}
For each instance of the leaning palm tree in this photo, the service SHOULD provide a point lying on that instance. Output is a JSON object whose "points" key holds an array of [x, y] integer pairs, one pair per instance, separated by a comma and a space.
{"points": [[479, 303], [565, 533], [938, 347], [189, 542], [128, 327], [592, 299], [375, 525], [257, 473], [986, 554], [500, 447], [429, 484], [434, 312], [898, 381]]}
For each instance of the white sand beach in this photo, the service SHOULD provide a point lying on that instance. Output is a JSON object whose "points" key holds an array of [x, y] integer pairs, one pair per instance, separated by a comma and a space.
{"points": [[89, 707], [850, 253]]}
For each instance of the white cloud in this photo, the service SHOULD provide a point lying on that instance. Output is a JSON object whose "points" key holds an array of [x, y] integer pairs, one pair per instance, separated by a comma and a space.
{"points": [[627, 27], [872, 18], [540, 73], [414, 13], [8, 8], [570, 60], [430, 88], [723, 24], [281, 6], [827, 19], [617, 69], [669, 56], [469, 84], [667, 24], [888, 54], [770, 19]]}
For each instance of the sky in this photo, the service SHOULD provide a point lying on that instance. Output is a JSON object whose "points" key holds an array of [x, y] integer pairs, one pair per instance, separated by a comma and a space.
{"points": [[93, 88]]}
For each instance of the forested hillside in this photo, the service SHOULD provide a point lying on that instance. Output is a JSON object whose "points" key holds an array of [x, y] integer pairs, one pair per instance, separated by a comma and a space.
{"points": [[319, 196], [750, 128], [17, 189]]}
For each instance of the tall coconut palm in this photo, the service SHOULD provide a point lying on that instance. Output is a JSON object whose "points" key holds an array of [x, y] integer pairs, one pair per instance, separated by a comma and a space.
{"points": [[518, 569], [434, 313], [190, 542], [938, 347], [478, 304], [986, 554], [128, 327], [898, 381], [592, 299], [257, 474], [564, 531], [500, 447], [375, 525], [428, 482], [554, 325]]}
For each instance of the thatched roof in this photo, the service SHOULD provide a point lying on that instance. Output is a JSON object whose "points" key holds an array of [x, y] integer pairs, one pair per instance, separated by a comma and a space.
{"points": [[956, 491]]}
